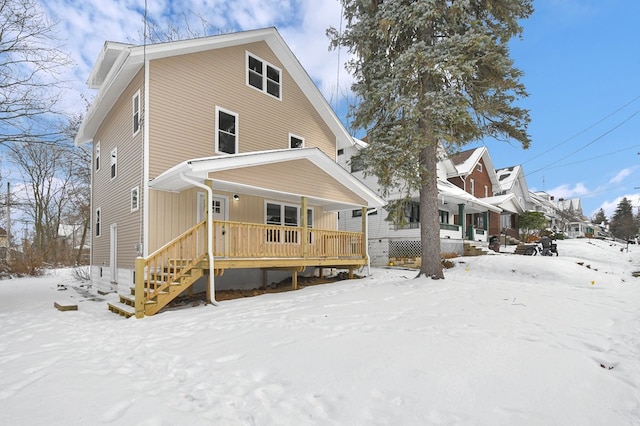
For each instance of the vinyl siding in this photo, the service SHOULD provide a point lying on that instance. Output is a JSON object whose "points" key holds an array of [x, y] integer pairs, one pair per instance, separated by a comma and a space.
{"points": [[176, 212], [298, 177], [113, 196], [185, 90]]}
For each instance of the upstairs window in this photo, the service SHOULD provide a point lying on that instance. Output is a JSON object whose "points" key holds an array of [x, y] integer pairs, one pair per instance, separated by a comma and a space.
{"points": [[295, 141], [479, 167], [97, 156], [263, 76], [136, 112], [226, 131], [114, 162], [98, 221]]}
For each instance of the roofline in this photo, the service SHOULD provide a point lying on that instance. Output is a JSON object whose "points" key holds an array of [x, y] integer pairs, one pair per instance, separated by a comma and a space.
{"points": [[131, 59]]}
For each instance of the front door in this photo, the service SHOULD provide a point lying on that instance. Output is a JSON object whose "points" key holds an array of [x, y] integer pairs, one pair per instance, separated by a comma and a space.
{"points": [[221, 238]]}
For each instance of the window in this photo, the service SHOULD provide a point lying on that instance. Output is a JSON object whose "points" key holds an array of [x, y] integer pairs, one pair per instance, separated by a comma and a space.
{"points": [[114, 162], [136, 112], [263, 76], [473, 187], [357, 164], [98, 221], [479, 167], [226, 131], [486, 191], [287, 215], [358, 212], [98, 156], [412, 212], [135, 192], [340, 151], [444, 216], [295, 141]]}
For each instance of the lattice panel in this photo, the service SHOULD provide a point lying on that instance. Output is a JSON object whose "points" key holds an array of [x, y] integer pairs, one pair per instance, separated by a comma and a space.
{"points": [[405, 248]]}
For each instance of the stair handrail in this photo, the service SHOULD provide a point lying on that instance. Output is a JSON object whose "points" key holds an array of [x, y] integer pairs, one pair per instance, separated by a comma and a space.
{"points": [[159, 263]]}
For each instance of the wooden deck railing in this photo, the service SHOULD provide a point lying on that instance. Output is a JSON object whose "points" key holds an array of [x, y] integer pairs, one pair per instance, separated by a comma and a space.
{"points": [[254, 240]]}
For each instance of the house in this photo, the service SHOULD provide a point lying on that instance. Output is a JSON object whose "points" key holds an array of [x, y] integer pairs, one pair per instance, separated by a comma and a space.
{"points": [[572, 220], [388, 241], [513, 197], [543, 202], [214, 163], [473, 172]]}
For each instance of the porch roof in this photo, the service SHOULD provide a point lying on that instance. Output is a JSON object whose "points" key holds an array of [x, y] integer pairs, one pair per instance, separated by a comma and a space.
{"points": [[323, 181], [451, 193], [508, 202]]}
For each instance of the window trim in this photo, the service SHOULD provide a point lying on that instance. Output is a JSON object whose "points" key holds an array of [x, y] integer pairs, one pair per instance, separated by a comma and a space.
{"points": [[292, 136], [114, 163], [264, 75], [135, 112], [136, 207], [217, 135], [479, 167], [98, 222]]}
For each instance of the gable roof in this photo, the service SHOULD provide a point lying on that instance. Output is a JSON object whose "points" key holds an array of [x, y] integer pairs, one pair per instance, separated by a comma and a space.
{"points": [[118, 63], [201, 169], [465, 163]]}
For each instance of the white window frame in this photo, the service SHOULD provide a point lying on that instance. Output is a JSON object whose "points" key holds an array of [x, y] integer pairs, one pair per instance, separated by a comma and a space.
{"points": [[473, 187], [282, 216], [97, 160], [479, 167], [98, 222], [135, 198], [486, 191], [113, 169], [135, 103], [217, 143], [294, 136], [265, 80]]}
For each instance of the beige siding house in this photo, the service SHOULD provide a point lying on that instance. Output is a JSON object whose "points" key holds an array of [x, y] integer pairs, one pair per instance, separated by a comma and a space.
{"points": [[214, 157]]}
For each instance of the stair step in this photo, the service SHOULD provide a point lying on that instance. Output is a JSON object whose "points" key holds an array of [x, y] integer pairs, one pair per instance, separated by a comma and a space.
{"points": [[121, 309]]}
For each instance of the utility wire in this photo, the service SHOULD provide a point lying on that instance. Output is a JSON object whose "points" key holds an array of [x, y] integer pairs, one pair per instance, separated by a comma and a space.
{"points": [[584, 130], [594, 158], [588, 144]]}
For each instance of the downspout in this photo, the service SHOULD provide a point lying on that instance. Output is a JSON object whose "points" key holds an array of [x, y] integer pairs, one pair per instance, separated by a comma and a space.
{"points": [[366, 238], [212, 283]]}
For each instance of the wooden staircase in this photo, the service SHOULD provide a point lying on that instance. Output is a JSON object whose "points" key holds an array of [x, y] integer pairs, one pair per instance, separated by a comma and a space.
{"points": [[165, 274], [164, 288]]}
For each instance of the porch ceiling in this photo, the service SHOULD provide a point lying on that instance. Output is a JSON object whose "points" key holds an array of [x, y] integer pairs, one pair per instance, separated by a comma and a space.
{"points": [[282, 174]]}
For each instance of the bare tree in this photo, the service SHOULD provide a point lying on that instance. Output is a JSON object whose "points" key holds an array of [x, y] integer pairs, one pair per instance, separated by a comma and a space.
{"points": [[46, 171], [30, 64]]}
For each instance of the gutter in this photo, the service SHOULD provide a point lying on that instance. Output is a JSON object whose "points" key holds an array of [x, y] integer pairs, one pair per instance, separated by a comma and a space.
{"points": [[212, 282]]}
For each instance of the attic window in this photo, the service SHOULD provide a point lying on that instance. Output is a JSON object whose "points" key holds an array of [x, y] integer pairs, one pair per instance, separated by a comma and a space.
{"points": [[263, 76], [479, 167]]}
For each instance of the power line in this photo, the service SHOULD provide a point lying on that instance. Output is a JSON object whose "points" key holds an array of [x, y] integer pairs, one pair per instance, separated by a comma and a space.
{"points": [[588, 144], [594, 158], [584, 130]]}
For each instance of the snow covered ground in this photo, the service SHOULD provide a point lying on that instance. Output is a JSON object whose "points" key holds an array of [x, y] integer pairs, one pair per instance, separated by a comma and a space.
{"points": [[503, 340]]}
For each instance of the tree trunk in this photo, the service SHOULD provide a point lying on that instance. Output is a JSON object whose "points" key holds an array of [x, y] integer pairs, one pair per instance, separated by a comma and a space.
{"points": [[429, 218]]}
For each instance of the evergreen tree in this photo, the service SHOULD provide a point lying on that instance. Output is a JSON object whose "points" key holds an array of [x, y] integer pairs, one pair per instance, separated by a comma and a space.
{"points": [[600, 217], [623, 225], [430, 74]]}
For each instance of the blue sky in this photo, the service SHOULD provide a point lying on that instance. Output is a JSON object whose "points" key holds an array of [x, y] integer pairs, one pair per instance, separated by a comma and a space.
{"points": [[581, 60]]}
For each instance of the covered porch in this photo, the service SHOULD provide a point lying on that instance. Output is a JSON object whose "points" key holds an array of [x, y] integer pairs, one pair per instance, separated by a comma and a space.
{"points": [[282, 217]]}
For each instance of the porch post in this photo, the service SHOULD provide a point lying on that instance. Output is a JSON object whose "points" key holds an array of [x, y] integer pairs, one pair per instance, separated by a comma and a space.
{"points": [[139, 296], [305, 226], [462, 219]]}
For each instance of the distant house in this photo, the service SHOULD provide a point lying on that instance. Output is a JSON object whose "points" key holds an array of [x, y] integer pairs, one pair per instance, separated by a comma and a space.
{"points": [[4, 244], [572, 220], [544, 203], [388, 241], [214, 157]]}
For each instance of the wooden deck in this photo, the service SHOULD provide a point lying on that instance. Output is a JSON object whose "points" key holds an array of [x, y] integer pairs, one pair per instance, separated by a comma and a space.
{"points": [[173, 268]]}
